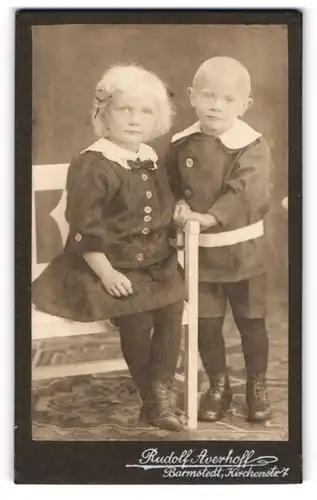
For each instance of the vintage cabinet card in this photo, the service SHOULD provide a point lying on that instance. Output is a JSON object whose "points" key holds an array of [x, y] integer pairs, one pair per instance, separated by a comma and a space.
{"points": [[158, 247]]}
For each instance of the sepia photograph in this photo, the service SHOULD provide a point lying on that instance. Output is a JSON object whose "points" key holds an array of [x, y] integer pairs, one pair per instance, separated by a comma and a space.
{"points": [[159, 232]]}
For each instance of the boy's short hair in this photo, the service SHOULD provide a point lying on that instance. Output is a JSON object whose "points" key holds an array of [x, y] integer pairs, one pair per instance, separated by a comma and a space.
{"points": [[127, 78], [221, 63]]}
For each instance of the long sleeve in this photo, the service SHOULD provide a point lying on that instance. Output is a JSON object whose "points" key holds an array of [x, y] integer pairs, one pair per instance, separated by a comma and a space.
{"points": [[88, 194], [173, 174], [247, 187]]}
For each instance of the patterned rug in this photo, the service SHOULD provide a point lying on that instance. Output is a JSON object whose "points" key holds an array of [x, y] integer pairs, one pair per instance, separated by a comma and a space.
{"points": [[106, 406]]}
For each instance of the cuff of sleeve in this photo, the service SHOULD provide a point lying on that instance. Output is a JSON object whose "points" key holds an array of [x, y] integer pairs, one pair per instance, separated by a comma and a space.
{"points": [[218, 214], [87, 243]]}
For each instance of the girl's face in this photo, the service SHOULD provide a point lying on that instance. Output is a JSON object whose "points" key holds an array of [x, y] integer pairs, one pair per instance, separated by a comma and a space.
{"points": [[218, 101], [131, 119]]}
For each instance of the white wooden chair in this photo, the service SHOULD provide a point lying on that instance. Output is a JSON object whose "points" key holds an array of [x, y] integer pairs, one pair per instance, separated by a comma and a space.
{"points": [[44, 326]]}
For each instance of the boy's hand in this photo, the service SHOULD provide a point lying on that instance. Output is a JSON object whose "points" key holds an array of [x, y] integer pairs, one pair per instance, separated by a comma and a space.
{"points": [[205, 220], [181, 214], [116, 284]]}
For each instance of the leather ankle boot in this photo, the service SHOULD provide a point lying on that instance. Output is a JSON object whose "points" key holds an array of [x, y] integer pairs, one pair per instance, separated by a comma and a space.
{"points": [[177, 403], [259, 408], [216, 400], [157, 409]]}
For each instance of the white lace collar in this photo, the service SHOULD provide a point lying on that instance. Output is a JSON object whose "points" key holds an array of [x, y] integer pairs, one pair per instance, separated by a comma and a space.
{"points": [[120, 155], [238, 136]]}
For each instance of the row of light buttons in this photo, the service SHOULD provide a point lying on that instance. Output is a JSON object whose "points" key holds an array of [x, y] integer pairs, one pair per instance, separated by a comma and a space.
{"points": [[147, 208], [147, 218]]}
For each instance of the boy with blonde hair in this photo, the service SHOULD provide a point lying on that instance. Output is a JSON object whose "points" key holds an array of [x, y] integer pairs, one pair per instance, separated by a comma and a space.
{"points": [[219, 171]]}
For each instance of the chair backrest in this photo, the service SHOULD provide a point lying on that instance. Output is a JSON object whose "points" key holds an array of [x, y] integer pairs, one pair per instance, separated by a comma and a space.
{"points": [[49, 226]]}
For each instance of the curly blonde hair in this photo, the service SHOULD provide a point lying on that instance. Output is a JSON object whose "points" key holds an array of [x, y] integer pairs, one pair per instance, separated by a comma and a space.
{"points": [[128, 78]]}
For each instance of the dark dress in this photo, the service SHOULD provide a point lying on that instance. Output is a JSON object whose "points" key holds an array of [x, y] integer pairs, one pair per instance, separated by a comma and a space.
{"points": [[126, 214]]}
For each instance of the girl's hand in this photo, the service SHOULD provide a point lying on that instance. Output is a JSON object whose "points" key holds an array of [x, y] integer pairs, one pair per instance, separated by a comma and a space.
{"points": [[116, 284]]}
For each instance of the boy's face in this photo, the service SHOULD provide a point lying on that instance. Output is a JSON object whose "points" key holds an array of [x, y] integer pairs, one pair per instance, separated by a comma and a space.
{"points": [[130, 119], [218, 100]]}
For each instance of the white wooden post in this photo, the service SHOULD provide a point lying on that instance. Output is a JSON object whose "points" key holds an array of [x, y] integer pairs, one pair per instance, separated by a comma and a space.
{"points": [[191, 329]]}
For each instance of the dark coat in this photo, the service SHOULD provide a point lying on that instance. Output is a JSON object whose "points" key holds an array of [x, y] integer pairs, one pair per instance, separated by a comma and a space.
{"points": [[231, 184]]}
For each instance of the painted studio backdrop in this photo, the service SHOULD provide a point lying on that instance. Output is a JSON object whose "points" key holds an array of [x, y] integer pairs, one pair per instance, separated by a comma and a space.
{"points": [[69, 60]]}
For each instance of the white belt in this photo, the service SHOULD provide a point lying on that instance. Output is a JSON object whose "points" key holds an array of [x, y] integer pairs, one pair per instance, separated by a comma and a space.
{"points": [[228, 238]]}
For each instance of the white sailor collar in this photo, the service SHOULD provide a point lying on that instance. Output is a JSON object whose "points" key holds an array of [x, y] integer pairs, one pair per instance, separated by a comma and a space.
{"points": [[238, 136], [120, 155]]}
